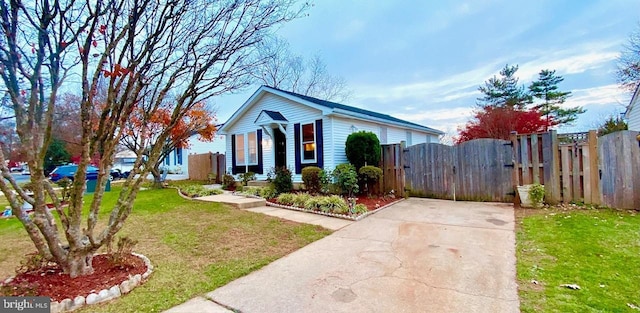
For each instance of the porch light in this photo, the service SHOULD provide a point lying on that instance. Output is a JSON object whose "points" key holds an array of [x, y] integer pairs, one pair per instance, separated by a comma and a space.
{"points": [[309, 146]]}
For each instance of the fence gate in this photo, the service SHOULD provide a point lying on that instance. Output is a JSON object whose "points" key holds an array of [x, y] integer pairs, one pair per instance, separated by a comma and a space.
{"points": [[477, 170], [201, 165]]}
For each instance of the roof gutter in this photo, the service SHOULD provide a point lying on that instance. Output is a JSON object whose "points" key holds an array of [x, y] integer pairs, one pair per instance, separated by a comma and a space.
{"points": [[368, 118]]}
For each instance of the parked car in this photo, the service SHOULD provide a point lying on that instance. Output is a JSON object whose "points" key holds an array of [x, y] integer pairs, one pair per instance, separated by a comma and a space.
{"points": [[69, 171], [116, 173]]}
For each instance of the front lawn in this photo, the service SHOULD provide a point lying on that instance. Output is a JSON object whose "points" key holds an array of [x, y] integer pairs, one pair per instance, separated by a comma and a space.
{"points": [[194, 246], [598, 250]]}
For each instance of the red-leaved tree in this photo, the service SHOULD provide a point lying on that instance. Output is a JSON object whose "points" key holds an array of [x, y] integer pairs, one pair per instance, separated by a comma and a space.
{"points": [[499, 122], [143, 131]]}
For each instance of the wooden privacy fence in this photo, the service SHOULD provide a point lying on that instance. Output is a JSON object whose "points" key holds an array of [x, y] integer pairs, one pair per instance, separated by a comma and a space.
{"points": [[579, 167], [201, 165], [475, 170], [392, 167], [566, 164]]}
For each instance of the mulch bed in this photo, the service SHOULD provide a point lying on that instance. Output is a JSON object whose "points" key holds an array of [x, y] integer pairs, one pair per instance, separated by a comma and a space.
{"points": [[50, 281], [372, 203]]}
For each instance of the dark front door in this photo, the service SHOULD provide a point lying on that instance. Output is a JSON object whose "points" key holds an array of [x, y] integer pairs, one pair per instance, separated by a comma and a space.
{"points": [[280, 143]]}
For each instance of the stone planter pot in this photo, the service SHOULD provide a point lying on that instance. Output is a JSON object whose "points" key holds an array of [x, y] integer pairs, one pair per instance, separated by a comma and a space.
{"points": [[523, 192]]}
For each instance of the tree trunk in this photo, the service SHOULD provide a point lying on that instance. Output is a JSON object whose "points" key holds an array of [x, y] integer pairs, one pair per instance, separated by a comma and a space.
{"points": [[79, 264], [157, 177]]}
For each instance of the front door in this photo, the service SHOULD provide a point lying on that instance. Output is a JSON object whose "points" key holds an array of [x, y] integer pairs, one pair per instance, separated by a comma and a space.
{"points": [[280, 143]]}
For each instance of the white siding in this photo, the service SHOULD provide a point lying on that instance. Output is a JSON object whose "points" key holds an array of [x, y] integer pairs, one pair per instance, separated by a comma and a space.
{"points": [[634, 118], [342, 127], [292, 111]]}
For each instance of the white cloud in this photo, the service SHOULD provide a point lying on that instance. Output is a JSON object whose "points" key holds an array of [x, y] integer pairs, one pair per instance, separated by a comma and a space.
{"points": [[608, 95]]}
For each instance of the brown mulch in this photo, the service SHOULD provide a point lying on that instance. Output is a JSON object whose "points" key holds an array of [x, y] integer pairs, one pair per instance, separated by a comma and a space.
{"points": [[51, 282]]}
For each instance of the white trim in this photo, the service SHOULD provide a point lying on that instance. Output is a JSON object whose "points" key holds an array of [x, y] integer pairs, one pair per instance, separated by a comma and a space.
{"points": [[244, 152], [248, 153], [302, 143]]}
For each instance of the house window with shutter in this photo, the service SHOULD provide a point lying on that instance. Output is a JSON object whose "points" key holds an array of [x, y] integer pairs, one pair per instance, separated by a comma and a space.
{"points": [[240, 160], [308, 144], [252, 148]]}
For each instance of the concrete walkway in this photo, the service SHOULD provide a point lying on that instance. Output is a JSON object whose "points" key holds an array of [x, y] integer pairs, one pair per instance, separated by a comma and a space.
{"points": [[420, 255]]}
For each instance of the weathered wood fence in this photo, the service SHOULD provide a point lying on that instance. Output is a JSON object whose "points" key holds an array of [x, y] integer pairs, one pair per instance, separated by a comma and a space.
{"points": [[474, 170], [201, 165], [579, 167]]}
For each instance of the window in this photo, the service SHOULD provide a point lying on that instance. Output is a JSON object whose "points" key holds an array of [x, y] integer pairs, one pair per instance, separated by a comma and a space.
{"points": [[252, 147], [383, 134], [308, 143], [408, 138], [179, 155], [240, 149]]}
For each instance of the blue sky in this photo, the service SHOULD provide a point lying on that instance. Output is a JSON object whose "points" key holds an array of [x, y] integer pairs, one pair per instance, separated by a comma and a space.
{"points": [[424, 60]]}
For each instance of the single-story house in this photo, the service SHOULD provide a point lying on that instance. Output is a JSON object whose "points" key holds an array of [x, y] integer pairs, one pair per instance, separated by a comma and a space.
{"points": [[632, 115], [276, 128]]}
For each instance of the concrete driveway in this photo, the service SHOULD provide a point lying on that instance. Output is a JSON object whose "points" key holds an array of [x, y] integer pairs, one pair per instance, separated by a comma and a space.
{"points": [[420, 255]]}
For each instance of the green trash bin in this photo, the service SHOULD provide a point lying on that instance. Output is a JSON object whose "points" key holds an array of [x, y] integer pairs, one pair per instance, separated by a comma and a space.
{"points": [[92, 183]]}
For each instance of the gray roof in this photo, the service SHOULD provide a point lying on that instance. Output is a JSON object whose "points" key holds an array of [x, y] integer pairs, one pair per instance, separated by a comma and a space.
{"points": [[334, 105]]}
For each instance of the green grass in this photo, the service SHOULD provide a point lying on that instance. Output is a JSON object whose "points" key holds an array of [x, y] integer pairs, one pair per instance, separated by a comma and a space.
{"points": [[194, 246], [599, 250]]}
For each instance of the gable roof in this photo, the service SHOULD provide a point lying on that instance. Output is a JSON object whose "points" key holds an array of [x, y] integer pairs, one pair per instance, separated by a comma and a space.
{"points": [[327, 107], [276, 116], [633, 102]]}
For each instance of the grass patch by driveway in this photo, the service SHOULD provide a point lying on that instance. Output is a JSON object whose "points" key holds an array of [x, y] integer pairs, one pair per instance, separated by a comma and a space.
{"points": [[598, 250], [194, 246]]}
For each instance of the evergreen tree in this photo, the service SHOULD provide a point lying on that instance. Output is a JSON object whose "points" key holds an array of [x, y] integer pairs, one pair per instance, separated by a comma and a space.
{"points": [[504, 91], [546, 90], [611, 125], [56, 155]]}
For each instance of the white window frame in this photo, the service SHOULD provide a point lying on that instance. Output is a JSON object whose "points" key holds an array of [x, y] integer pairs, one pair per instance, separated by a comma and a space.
{"points": [[409, 135], [248, 148], [244, 156], [302, 143]]}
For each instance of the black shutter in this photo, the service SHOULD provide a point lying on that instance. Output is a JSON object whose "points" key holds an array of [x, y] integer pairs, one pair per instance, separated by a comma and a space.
{"points": [[233, 154], [296, 143], [259, 138], [319, 144]]}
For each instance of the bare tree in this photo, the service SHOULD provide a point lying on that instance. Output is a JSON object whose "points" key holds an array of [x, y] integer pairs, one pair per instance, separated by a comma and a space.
{"points": [[134, 50], [628, 73], [285, 70]]}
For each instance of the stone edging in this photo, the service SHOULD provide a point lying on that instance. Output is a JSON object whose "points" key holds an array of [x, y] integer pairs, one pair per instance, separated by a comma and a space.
{"points": [[105, 294], [342, 216]]}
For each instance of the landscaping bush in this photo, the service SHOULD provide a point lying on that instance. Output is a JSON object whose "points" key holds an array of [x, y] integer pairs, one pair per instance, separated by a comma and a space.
{"points": [[251, 191], [228, 182], [311, 179], [300, 199], [193, 191], [326, 181], [313, 203], [363, 148], [360, 209], [369, 176], [268, 192], [246, 177], [536, 195], [281, 180], [346, 179], [286, 198], [334, 203]]}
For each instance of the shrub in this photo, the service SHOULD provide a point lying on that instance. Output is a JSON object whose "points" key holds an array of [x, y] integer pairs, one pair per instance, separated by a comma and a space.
{"points": [[369, 175], [250, 191], [536, 195], [311, 178], [121, 256], [326, 180], [268, 192], [65, 183], [228, 182], [360, 209], [282, 181], [334, 204], [300, 199], [313, 203], [286, 198], [246, 177], [363, 148], [193, 191], [346, 179]]}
